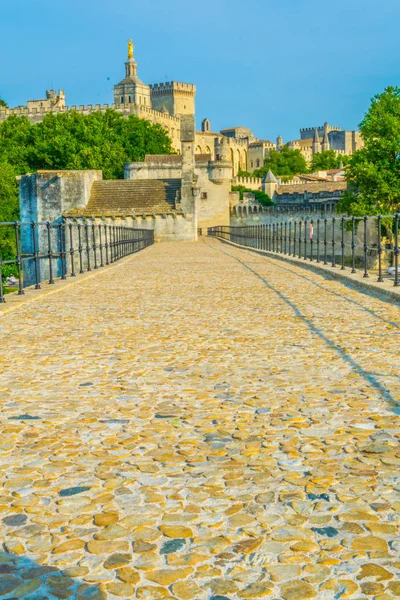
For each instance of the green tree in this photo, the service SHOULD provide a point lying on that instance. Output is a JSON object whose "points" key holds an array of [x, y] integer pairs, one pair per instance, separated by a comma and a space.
{"points": [[96, 141], [263, 198], [16, 143], [373, 173], [3, 103], [285, 162], [323, 161], [8, 212]]}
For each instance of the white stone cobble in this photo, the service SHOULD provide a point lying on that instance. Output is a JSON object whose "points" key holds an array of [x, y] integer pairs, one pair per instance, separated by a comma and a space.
{"points": [[202, 422]]}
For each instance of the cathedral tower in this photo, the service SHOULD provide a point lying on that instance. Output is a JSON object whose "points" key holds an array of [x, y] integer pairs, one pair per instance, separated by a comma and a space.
{"points": [[132, 90]]}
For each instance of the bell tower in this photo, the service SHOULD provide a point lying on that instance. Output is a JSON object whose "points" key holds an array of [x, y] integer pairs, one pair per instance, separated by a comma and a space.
{"points": [[132, 90]]}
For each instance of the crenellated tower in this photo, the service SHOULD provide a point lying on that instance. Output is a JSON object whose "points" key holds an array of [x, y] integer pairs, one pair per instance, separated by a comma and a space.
{"points": [[178, 98]]}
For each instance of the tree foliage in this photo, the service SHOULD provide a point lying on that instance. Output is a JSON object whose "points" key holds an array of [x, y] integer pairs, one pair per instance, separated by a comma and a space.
{"points": [[373, 173], [328, 159], [3, 103], [75, 141], [285, 162], [8, 212], [262, 197]]}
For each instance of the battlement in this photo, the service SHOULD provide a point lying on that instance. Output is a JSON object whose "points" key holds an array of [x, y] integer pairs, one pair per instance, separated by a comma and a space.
{"points": [[172, 86], [257, 181], [311, 130]]}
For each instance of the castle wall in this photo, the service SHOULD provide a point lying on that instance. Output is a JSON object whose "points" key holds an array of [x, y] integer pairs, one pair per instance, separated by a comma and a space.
{"points": [[251, 183]]}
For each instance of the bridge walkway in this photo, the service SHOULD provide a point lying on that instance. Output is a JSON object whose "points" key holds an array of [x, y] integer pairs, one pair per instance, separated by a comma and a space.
{"points": [[200, 422]]}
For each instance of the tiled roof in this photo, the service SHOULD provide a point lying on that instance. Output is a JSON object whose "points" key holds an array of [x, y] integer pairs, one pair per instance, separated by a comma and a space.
{"points": [[119, 197]]}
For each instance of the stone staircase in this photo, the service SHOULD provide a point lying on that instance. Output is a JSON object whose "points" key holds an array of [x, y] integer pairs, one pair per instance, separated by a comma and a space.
{"points": [[131, 197], [172, 190]]}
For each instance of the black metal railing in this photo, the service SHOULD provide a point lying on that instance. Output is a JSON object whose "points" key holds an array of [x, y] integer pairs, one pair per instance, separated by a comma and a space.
{"points": [[34, 251], [370, 244]]}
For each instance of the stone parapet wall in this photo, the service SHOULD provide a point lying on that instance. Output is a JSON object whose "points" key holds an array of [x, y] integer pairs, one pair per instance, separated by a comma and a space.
{"points": [[252, 183]]}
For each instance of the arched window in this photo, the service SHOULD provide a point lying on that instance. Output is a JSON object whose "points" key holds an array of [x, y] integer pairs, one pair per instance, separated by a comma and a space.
{"points": [[257, 163], [198, 150]]}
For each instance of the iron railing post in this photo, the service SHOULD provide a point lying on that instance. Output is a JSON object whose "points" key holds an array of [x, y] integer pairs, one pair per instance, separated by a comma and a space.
{"points": [[101, 246], [353, 244], [365, 248], [62, 253], [396, 249], [35, 255], [333, 243], [342, 242], [50, 256], [19, 259], [94, 244], [380, 278], [87, 246], [300, 224], [71, 250], [80, 248]]}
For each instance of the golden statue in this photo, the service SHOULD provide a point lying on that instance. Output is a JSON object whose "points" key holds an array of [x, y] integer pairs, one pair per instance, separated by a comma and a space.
{"points": [[130, 50]]}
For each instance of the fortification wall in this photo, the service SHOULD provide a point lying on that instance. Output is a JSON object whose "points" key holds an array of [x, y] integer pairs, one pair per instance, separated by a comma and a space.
{"points": [[251, 183], [307, 133]]}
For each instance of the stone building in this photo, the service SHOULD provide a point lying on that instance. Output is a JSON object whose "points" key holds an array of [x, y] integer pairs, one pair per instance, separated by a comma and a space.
{"points": [[305, 191], [165, 103]]}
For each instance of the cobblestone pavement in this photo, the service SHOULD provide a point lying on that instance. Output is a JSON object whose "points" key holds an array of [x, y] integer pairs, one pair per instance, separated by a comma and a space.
{"points": [[200, 422]]}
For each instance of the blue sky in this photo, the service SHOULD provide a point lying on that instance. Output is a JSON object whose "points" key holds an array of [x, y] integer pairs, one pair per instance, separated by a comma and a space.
{"points": [[271, 66]]}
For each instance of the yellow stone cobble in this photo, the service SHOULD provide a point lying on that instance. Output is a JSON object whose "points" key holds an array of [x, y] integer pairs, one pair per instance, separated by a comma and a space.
{"points": [[200, 422]]}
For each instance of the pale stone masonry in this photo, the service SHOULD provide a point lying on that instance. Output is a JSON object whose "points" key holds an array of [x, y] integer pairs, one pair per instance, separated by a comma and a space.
{"points": [[198, 422]]}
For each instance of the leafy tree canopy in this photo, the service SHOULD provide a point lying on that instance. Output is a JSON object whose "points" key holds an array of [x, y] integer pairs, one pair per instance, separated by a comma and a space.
{"points": [[262, 198], [328, 159], [373, 173], [3, 103], [285, 162], [75, 141], [9, 209]]}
